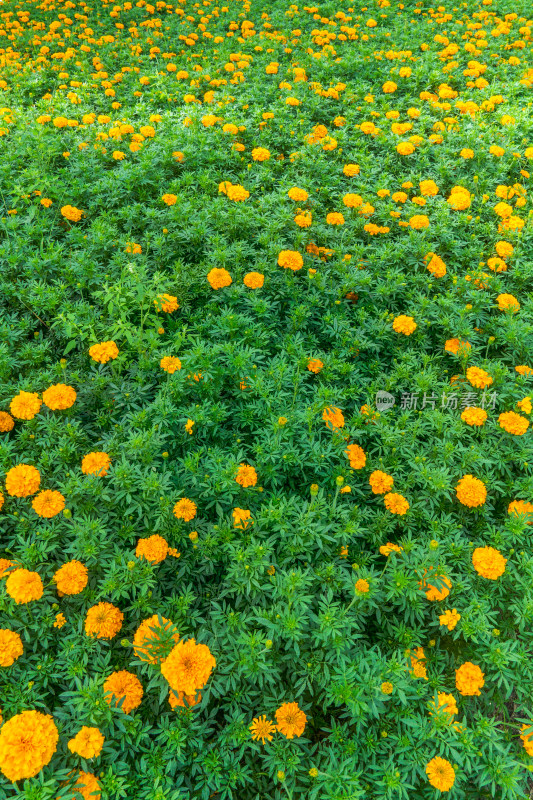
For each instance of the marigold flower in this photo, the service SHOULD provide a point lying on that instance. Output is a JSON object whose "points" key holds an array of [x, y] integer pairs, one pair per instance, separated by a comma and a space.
{"points": [[185, 509], [242, 517], [169, 199], [59, 620], [471, 491], [103, 621], [523, 369], [72, 213], [449, 619], [262, 728], [25, 405], [7, 423], [27, 743], [356, 456], [96, 463], [460, 198], [254, 280], [334, 218], [219, 278], [154, 549], [166, 303], [123, 689], [527, 739], [403, 324], [59, 397], [488, 562], [147, 642], [24, 586], [10, 647], [380, 482], [291, 720], [457, 346], [290, 259], [103, 352], [428, 188], [525, 405], [387, 549], [48, 503], [446, 703], [246, 476], [71, 578], [508, 301], [513, 423], [478, 377], [170, 364], [440, 774], [418, 667], [474, 416], [436, 265], [362, 586], [432, 593], [188, 666], [22, 481], [351, 170], [333, 417], [469, 679], [315, 365], [260, 154], [396, 503], [518, 507], [387, 687], [419, 222], [298, 195], [389, 87], [87, 743], [6, 566]]}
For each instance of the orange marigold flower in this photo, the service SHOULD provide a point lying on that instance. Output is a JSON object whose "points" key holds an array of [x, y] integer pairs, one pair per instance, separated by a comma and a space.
{"points": [[298, 195], [460, 198], [103, 621], [262, 728], [471, 491], [435, 265], [446, 703], [154, 549], [10, 647], [254, 280], [432, 593], [87, 743], [151, 642], [488, 562], [523, 369], [396, 503], [356, 456], [334, 218], [457, 346], [469, 679], [71, 578], [260, 154], [188, 667], [167, 303], [474, 416], [478, 378], [362, 586], [182, 700], [242, 517], [6, 566], [25, 405], [59, 620], [59, 397], [103, 352], [387, 549], [518, 507], [96, 463], [315, 365], [513, 423], [71, 213], [449, 618], [87, 787], [440, 774], [48, 503], [508, 301], [246, 476], [380, 482], [185, 509], [219, 278], [291, 720], [428, 188], [418, 222], [418, 666], [387, 687], [123, 689], [27, 743], [169, 199], [527, 739], [333, 417], [170, 364], [24, 586], [290, 259], [22, 481], [403, 324], [7, 423]]}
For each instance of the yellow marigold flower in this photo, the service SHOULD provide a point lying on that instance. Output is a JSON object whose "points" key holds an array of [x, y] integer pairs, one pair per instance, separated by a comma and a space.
{"points": [[103, 352], [396, 503], [474, 416], [185, 509], [356, 456], [10, 647], [405, 149], [457, 347], [523, 369], [471, 491], [525, 405], [254, 280], [170, 364], [435, 265], [260, 154], [59, 397], [7, 423], [298, 195], [440, 774], [513, 423], [219, 278], [167, 303], [389, 87], [419, 222], [432, 593], [449, 619], [478, 378], [387, 549], [103, 621], [123, 689], [508, 301], [469, 679], [488, 562], [27, 743], [527, 739], [242, 517], [188, 667], [182, 700], [290, 259], [460, 198], [362, 586], [387, 687], [154, 549], [404, 324], [48, 503], [87, 743], [262, 728], [334, 218], [170, 199], [518, 507], [246, 476], [24, 586], [333, 417], [446, 703], [291, 720], [352, 200], [86, 786], [59, 620], [380, 482], [304, 219], [25, 405], [189, 425], [315, 365], [428, 188], [466, 153], [96, 463], [72, 213], [147, 642], [351, 170], [418, 667], [504, 249], [46, 202], [22, 481]]}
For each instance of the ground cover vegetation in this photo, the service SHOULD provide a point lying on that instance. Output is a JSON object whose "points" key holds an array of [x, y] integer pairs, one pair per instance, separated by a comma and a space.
{"points": [[266, 365]]}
